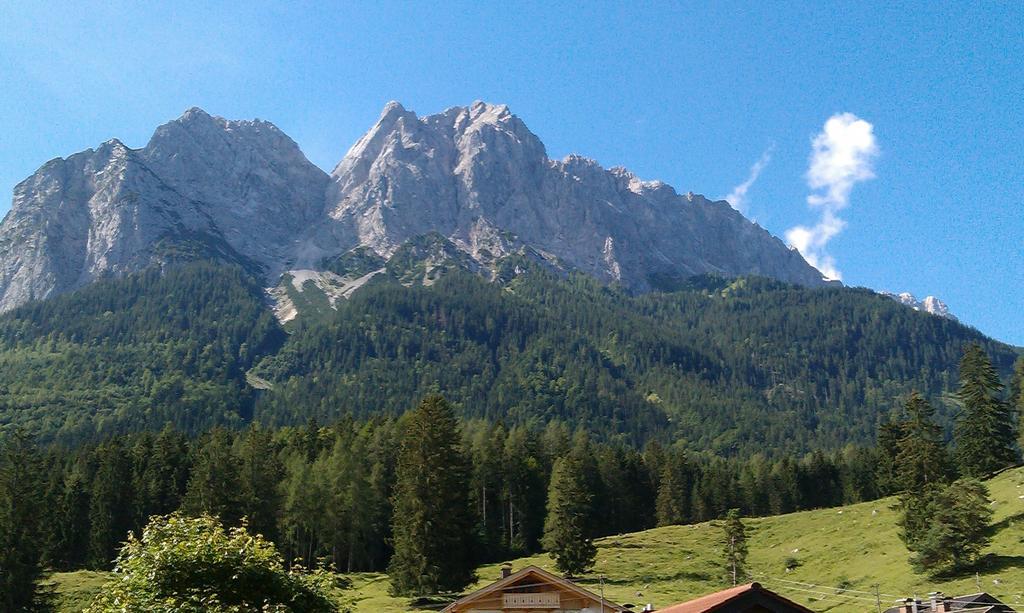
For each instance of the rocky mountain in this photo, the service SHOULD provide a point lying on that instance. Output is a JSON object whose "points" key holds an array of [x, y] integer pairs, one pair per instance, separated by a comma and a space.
{"points": [[930, 304], [243, 191], [203, 186]]}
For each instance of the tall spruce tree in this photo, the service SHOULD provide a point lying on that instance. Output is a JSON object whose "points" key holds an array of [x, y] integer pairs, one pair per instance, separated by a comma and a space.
{"points": [[260, 472], [734, 546], [887, 446], [921, 457], [111, 508], [672, 503], [955, 528], [1017, 396], [20, 565], [920, 467], [568, 528], [986, 431], [213, 487], [432, 524]]}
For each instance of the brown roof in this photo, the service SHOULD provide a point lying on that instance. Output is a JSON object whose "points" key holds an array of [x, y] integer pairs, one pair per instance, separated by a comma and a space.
{"points": [[540, 574], [721, 601]]}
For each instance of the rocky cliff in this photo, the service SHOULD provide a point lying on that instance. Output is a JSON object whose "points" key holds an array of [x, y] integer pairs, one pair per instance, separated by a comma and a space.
{"points": [[242, 190]]}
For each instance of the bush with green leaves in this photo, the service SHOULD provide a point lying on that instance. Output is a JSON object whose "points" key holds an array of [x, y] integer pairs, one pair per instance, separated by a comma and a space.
{"points": [[186, 564]]}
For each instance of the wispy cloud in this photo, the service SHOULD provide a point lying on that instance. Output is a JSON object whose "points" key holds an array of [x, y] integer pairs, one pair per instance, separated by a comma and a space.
{"points": [[842, 155], [738, 196]]}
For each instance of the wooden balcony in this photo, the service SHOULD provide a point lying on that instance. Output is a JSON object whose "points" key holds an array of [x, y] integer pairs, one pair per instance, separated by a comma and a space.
{"points": [[535, 600]]}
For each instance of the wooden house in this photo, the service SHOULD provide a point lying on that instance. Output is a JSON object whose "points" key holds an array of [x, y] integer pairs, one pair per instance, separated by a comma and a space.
{"points": [[532, 590]]}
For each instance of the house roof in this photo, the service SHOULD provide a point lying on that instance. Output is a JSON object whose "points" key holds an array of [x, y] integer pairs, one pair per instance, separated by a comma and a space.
{"points": [[540, 574], [981, 602], [721, 601]]}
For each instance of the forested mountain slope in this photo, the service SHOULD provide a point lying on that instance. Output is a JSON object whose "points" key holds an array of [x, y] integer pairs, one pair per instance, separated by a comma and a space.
{"points": [[136, 353], [733, 366], [730, 366]]}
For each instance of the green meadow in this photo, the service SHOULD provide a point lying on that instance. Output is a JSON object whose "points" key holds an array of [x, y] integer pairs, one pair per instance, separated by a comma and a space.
{"points": [[827, 559]]}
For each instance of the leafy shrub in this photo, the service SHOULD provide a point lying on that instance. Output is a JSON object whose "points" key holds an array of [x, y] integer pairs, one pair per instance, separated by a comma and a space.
{"points": [[185, 564]]}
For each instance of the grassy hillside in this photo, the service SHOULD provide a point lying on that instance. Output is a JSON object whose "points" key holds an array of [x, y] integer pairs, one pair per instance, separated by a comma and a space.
{"points": [[853, 547]]}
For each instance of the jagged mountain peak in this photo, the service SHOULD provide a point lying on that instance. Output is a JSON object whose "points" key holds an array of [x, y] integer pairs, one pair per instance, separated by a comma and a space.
{"points": [[475, 175], [928, 304]]}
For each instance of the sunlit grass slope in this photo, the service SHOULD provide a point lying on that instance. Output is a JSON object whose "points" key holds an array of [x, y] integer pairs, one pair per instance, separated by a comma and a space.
{"points": [[853, 547]]}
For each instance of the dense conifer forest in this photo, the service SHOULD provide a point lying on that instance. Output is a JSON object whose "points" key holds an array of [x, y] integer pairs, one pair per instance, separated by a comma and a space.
{"points": [[327, 491], [737, 367]]}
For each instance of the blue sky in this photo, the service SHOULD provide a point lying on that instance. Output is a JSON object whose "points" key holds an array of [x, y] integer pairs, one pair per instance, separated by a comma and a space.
{"points": [[691, 94]]}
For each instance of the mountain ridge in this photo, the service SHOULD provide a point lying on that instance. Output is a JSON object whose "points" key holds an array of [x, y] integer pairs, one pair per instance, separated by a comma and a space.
{"points": [[242, 191]]}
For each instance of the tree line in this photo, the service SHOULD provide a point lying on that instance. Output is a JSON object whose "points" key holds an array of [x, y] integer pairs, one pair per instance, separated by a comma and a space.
{"points": [[368, 494], [335, 493]]}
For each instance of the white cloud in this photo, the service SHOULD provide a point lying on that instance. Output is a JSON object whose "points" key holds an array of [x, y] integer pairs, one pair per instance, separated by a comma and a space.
{"points": [[738, 196], [841, 156]]}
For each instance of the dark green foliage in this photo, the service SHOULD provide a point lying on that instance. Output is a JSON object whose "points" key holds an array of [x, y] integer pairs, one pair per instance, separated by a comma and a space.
{"points": [[569, 527], [259, 472], [986, 429], [432, 527], [734, 546], [191, 565], [325, 492], [155, 347], [745, 366], [20, 525], [111, 506], [672, 505], [921, 459], [887, 448], [950, 527], [734, 366], [916, 465], [214, 487], [1017, 396]]}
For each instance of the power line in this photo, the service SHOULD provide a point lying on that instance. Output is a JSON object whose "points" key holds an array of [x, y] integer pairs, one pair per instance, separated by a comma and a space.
{"points": [[831, 594], [838, 588]]}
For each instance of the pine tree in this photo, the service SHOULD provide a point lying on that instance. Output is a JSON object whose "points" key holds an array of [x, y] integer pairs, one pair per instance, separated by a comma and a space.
{"points": [[20, 565], [671, 506], [166, 474], [260, 472], [524, 490], [986, 429], [734, 545], [111, 512], [568, 529], [73, 525], [888, 447], [921, 458], [956, 528], [432, 524], [1016, 398], [213, 487]]}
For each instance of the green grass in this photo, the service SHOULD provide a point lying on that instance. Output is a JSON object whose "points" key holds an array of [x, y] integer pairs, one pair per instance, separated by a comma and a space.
{"points": [[74, 591], [854, 547]]}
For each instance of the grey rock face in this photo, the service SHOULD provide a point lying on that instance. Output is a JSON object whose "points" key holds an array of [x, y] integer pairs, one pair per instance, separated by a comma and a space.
{"points": [[930, 304], [242, 190], [478, 176], [238, 189]]}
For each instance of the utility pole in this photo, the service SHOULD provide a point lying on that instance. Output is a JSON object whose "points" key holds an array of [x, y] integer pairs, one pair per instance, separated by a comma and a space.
{"points": [[602, 593], [878, 598]]}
